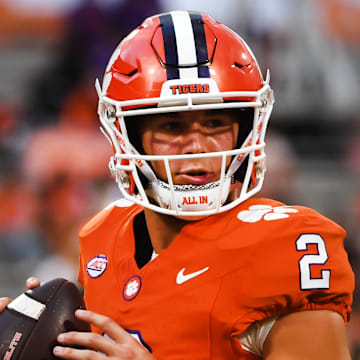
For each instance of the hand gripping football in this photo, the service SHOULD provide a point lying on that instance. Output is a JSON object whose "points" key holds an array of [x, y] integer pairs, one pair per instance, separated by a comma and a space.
{"points": [[30, 323]]}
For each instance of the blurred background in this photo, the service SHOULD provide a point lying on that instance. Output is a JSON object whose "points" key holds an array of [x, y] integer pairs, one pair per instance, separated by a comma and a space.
{"points": [[53, 159]]}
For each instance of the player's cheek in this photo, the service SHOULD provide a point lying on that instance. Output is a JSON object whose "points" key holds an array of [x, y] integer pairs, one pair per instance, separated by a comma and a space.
{"points": [[161, 144], [221, 142], [159, 169]]}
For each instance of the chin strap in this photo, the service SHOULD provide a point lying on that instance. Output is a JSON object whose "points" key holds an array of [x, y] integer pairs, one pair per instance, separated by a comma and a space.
{"points": [[191, 197]]}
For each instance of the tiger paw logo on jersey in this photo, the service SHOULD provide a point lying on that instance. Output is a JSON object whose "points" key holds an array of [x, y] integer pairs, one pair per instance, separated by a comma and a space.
{"points": [[266, 212], [132, 288]]}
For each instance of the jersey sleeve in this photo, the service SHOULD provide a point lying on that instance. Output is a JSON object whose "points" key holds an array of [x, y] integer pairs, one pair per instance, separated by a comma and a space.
{"points": [[85, 231], [298, 263]]}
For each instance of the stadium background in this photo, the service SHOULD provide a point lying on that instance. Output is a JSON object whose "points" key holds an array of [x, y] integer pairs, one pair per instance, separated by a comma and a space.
{"points": [[53, 159]]}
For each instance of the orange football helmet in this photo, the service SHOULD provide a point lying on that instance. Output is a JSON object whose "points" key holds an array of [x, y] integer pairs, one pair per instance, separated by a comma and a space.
{"points": [[184, 61]]}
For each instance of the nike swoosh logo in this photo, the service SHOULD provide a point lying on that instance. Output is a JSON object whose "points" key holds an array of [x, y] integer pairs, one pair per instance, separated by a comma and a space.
{"points": [[181, 278]]}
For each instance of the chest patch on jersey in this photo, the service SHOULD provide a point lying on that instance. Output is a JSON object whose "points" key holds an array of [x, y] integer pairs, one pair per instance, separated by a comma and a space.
{"points": [[96, 266], [132, 288], [257, 212]]}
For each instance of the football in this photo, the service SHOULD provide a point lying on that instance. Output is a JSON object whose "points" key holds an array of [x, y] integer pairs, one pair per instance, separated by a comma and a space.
{"points": [[30, 323]]}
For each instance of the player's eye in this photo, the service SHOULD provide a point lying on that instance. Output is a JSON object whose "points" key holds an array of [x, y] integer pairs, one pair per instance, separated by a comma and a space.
{"points": [[218, 122], [215, 123], [171, 126]]}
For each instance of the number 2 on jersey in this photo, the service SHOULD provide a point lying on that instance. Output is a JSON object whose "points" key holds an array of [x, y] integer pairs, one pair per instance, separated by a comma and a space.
{"points": [[306, 281]]}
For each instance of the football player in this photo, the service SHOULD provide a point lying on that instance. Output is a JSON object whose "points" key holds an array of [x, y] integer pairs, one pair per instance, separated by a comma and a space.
{"points": [[189, 264]]}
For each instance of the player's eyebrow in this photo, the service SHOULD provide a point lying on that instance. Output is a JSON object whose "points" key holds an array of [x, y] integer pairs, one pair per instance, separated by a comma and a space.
{"points": [[172, 115], [176, 115]]}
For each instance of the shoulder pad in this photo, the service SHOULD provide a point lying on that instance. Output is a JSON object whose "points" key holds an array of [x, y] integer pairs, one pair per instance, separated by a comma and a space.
{"points": [[115, 212]]}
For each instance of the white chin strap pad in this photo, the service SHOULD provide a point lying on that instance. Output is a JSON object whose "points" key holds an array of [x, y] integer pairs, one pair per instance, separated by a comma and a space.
{"points": [[191, 197]]}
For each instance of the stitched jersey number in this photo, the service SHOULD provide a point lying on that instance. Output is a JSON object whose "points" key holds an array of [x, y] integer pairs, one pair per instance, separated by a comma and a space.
{"points": [[306, 281]]}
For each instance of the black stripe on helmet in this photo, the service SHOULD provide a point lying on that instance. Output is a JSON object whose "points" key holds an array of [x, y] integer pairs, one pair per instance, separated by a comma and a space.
{"points": [[171, 54], [200, 44]]}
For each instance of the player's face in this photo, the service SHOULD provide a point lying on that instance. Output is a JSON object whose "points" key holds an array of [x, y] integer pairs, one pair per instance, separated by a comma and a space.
{"points": [[191, 132]]}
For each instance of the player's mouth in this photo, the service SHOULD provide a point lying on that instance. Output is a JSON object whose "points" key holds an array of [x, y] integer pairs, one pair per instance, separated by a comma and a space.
{"points": [[196, 177]]}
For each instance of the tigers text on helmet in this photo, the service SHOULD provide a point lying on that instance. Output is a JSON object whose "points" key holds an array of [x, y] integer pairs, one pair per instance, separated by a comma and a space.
{"points": [[175, 62]]}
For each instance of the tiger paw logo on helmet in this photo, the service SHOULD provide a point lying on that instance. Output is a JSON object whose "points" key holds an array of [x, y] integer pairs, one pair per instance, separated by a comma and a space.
{"points": [[266, 212]]}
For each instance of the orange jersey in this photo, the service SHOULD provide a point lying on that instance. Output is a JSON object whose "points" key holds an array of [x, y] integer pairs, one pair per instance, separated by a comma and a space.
{"points": [[219, 276]]}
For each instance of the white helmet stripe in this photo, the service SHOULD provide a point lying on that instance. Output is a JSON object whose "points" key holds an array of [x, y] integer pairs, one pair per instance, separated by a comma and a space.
{"points": [[185, 43]]}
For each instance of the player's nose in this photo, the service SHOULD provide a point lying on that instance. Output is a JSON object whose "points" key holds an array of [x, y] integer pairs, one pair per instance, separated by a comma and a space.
{"points": [[194, 141]]}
